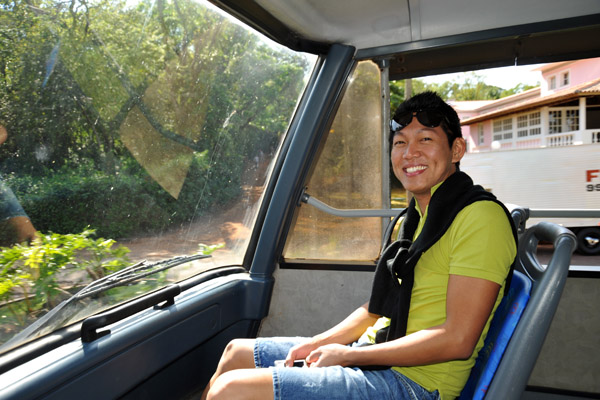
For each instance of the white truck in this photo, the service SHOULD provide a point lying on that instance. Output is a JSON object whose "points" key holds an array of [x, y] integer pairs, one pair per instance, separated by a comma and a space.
{"points": [[545, 178]]}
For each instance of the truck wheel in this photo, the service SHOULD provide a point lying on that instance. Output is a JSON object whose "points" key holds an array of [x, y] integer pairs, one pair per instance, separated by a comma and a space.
{"points": [[588, 241]]}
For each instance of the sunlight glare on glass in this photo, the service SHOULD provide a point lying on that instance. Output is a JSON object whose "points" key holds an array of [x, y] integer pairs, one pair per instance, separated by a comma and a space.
{"points": [[503, 77]]}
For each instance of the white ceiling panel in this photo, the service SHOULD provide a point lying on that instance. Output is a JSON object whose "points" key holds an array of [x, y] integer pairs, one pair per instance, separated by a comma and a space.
{"points": [[371, 23]]}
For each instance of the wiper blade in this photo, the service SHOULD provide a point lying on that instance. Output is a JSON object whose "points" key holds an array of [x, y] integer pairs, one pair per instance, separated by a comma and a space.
{"points": [[133, 273], [62, 313]]}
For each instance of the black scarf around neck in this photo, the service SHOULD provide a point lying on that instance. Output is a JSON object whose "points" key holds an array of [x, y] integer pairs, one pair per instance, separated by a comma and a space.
{"points": [[389, 297]]}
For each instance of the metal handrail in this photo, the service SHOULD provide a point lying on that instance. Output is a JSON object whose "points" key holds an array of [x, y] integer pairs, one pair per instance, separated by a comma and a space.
{"points": [[392, 212], [355, 213]]}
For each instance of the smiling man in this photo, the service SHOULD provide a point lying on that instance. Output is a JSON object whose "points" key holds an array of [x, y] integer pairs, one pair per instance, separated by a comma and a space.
{"points": [[434, 292], [426, 152]]}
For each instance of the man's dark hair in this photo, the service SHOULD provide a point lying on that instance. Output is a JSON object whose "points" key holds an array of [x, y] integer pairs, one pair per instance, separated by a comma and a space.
{"points": [[431, 101]]}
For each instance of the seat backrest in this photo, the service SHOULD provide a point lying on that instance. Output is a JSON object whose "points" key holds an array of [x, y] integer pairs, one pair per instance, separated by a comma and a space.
{"points": [[501, 329], [520, 351]]}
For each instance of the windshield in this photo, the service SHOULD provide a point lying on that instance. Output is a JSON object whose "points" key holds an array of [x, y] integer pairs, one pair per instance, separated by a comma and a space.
{"points": [[129, 132]]}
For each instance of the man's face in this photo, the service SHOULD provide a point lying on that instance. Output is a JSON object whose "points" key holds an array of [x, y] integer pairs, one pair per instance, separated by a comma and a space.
{"points": [[422, 158]]}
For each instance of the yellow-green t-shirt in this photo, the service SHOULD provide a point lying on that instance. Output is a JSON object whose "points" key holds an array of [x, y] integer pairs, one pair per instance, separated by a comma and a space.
{"points": [[478, 244]]}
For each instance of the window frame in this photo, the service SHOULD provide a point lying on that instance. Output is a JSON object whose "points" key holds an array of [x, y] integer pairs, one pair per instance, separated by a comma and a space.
{"points": [[561, 125], [503, 129]]}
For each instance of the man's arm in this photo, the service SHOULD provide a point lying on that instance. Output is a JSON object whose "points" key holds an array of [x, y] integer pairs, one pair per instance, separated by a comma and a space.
{"points": [[469, 304], [347, 331]]}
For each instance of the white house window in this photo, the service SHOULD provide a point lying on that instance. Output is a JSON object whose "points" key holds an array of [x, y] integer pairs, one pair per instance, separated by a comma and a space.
{"points": [[553, 83], [565, 78], [522, 125], [507, 128], [563, 120], [529, 124], [572, 120], [480, 138], [554, 121], [535, 123], [502, 129]]}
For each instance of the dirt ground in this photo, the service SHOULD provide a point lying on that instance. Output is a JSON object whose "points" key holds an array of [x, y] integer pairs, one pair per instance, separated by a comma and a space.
{"points": [[222, 224], [218, 226]]}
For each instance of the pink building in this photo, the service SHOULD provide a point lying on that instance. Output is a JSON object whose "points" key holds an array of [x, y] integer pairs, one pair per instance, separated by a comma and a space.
{"points": [[563, 111]]}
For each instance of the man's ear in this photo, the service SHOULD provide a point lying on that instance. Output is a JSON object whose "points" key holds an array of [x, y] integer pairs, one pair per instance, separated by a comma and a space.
{"points": [[459, 147]]}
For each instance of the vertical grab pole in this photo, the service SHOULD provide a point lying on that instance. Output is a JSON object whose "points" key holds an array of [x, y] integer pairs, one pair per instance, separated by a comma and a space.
{"points": [[386, 199]]}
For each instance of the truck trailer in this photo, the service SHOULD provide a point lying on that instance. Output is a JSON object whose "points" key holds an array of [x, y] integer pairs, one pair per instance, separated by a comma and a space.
{"points": [[545, 178]]}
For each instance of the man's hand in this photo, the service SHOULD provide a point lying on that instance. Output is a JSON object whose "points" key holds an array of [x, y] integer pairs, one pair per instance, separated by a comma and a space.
{"points": [[347, 331], [300, 352], [329, 355]]}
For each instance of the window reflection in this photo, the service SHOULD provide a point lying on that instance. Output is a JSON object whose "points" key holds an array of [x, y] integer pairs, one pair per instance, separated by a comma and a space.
{"points": [[136, 131], [347, 175]]}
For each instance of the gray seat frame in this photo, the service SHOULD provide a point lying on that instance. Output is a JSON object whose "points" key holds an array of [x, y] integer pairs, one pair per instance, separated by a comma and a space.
{"points": [[512, 375]]}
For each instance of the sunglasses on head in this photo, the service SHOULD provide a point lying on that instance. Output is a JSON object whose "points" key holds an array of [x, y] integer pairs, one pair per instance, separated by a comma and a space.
{"points": [[428, 118]]}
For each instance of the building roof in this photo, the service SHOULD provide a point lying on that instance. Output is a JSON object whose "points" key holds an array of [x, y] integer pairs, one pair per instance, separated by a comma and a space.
{"points": [[525, 102], [550, 66], [471, 105]]}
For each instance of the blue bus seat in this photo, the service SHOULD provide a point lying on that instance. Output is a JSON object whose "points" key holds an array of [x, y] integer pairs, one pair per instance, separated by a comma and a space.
{"points": [[501, 329], [513, 344]]}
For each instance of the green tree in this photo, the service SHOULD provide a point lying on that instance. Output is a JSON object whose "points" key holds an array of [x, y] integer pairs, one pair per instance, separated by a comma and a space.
{"points": [[519, 88], [471, 87], [74, 76]]}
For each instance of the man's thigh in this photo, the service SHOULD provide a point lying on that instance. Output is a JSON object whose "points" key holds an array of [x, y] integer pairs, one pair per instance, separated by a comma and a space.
{"points": [[330, 382], [339, 383]]}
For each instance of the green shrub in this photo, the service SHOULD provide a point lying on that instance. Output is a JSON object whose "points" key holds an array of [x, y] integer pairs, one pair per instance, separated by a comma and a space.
{"points": [[125, 203], [33, 273]]}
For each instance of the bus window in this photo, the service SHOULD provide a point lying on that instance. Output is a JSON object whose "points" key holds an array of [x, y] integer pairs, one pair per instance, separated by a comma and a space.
{"points": [[347, 175], [133, 132]]}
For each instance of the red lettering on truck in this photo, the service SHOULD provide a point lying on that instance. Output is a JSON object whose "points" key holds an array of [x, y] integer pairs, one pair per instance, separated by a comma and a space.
{"points": [[591, 174]]}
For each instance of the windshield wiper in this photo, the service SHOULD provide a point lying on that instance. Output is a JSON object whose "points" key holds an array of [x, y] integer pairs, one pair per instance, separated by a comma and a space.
{"points": [[132, 273], [61, 314]]}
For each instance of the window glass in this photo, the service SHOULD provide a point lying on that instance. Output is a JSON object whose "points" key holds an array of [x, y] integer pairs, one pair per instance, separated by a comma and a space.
{"points": [[497, 124], [565, 78], [554, 121], [131, 131], [529, 124], [503, 129], [572, 120], [521, 126], [534, 119], [480, 134], [347, 175]]}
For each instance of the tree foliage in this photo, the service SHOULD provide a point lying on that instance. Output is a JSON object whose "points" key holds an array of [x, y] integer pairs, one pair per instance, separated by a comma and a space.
{"points": [[76, 76], [472, 87]]}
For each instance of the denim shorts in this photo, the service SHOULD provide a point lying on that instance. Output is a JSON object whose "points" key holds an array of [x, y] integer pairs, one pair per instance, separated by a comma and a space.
{"points": [[332, 382]]}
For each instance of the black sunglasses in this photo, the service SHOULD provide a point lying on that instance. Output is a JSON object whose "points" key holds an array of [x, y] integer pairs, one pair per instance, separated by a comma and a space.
{"points": [[428, 118]]}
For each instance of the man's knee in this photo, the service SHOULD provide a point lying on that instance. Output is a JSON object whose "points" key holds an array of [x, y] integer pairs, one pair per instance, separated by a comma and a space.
{"points": [[237, 345], [225, 387], [239, 353], [242, 384]]}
